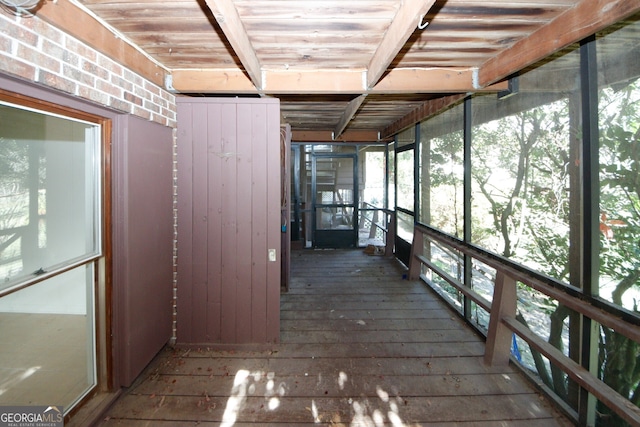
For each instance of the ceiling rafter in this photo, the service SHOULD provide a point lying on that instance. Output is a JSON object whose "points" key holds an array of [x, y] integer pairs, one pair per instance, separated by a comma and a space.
{"points": [[403, 25], [334, 51], [278, 82], [349, 112], [583, 20], [229, 20]]}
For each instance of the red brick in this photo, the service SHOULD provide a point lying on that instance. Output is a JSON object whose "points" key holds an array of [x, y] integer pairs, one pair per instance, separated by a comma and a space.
{"points": [[79, 76], [40, 59], [93, 95], [44, 30], [93, 68], [17, 68], [109, 88], [141, 112], [21, 34], [120, 105], [121, 83], [57, 82], [108, 64], [5, 44], [81, 49], [133, 98]]}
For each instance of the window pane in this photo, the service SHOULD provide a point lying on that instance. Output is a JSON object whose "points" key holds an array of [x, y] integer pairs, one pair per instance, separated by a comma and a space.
{"points": [[406, 179], [442, 173], [334, 180], [450, 261], [407, 137], [524, 165], [619, 128], [405, 226], [334, 218], [371, 182], [46, 330], [371, 177], [619, 121], [48, 193], [391, 179]]}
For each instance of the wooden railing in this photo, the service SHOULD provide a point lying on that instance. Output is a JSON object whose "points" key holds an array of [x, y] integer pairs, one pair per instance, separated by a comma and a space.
{"points": [[503, 323], [383, 220]]}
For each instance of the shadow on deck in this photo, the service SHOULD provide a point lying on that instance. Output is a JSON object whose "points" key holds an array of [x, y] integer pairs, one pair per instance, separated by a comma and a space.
{"points": [[360, 346]]}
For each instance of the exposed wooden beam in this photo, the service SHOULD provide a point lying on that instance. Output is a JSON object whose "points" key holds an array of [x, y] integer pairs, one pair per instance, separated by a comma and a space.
{"points": [[229, 20], [280, 82], [348, 114], [324, 136], [426, 110], [314, 81], [79, 23], [403, 25], [432, 80], [211, 81], [585, 19]]}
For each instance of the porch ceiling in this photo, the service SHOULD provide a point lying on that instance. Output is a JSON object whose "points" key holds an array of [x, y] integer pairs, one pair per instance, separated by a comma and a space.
{"points": [[346, 67]]}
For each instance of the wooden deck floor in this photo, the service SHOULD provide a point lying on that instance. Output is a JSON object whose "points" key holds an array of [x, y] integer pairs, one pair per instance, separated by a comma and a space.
{"points": [[360, 347]]}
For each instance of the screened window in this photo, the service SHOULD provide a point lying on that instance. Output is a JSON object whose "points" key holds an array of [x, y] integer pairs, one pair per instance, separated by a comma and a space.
{"points": [[442, 173], [619, 213], [524, 164], [619, 123], [391, 178], [405, 174]]}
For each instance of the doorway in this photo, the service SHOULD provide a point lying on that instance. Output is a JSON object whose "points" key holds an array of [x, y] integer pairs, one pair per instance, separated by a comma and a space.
{"points": [[334, 183]]}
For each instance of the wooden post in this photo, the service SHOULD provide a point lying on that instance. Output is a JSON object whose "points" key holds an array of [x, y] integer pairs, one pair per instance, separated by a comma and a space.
{"points": [[374, 225], [391, 234], [498, 346], [417, 248]]}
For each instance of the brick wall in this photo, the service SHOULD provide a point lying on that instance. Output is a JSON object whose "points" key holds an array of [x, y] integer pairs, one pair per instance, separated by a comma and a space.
{"points": [[33, 50]]}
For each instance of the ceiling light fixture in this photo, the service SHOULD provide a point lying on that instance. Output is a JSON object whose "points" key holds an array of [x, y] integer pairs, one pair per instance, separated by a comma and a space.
{"points": [[20, 7]]}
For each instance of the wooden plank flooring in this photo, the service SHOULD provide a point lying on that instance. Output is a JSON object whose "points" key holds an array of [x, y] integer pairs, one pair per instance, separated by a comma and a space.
{"points": [[360, 346]]}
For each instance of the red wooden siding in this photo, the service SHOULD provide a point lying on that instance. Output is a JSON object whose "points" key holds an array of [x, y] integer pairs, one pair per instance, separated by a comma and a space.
{"points": [[228, 219], [143, 243]]}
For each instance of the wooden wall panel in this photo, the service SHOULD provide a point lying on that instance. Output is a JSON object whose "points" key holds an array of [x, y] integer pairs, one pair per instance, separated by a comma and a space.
{"points": [[273, 217], [143, 242], [226, 150], [214, 222], [260, 244], [228, 162], [184, 294], [199, 257], [244, 257]]}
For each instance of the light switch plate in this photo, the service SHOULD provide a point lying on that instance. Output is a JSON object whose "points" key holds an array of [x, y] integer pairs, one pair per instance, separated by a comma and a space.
{"points": [[272, 255]]}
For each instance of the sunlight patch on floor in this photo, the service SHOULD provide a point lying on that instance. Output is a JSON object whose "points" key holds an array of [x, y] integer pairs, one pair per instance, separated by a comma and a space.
{"points": [[364, 413]]}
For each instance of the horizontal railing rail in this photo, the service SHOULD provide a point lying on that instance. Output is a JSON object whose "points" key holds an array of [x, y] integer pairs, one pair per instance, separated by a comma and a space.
{"points": [[502, 311], [383, 220]]}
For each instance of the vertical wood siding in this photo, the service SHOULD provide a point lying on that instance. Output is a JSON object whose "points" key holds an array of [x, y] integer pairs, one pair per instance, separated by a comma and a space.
{"points": [[228, 219], [142, 256]]}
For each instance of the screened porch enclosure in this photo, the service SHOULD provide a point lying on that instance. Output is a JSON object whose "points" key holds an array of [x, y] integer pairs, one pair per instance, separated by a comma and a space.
{"points": [[338, 194], [360, 346], [526, 203]]}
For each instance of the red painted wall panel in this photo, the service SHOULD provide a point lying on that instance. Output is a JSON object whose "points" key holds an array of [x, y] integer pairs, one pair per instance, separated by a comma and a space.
{"points": [[228, 219], [143, 242]]}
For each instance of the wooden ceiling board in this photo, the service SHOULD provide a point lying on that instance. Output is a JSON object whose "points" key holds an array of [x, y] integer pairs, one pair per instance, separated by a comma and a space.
{"points": [[330, 10], [259, 46]]}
